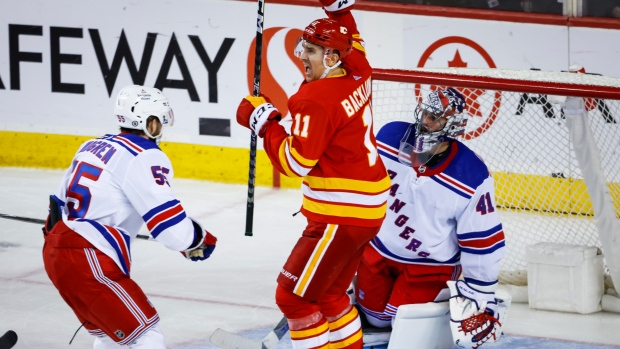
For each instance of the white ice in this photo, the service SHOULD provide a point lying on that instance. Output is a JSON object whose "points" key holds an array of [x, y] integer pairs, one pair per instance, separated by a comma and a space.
{"points": [[234, 289]]}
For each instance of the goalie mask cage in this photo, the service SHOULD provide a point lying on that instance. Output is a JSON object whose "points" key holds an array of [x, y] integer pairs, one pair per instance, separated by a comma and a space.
{"points": [[557, 178]]}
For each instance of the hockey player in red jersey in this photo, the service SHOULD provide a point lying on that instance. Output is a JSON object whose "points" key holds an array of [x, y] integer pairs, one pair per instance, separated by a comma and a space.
{"points": [[114, 185], [332, 147]]}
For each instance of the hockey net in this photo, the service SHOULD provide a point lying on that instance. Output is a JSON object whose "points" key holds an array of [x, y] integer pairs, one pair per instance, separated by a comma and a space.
{"points": [[525, 141]]}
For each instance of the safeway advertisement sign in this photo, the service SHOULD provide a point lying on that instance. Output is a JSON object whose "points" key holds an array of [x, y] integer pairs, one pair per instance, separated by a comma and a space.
{"points": [[59, 72]]}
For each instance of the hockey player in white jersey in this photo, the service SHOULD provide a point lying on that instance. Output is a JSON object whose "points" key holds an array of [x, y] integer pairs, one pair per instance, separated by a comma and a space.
{"points": [[114, 185], [441, 221]]}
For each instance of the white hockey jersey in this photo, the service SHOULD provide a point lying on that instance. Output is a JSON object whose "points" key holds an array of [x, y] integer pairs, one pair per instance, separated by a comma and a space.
{"points": [[115, 184], [443, 216]]}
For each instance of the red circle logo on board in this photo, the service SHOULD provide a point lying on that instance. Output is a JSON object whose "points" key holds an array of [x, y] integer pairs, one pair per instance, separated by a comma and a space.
{"points": [[448, 47]]}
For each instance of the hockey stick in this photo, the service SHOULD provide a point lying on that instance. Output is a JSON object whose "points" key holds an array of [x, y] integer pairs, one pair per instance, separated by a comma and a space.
{"points": [[227, 340], [8, 340], [42, 222], [249, 215]]}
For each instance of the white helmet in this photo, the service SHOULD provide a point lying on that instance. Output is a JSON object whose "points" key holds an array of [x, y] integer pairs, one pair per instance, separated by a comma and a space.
{"points": [[134, 104]]}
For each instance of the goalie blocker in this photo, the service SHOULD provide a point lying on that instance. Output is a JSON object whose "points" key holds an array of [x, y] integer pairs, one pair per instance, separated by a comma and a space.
{"points": [[442, 325]]}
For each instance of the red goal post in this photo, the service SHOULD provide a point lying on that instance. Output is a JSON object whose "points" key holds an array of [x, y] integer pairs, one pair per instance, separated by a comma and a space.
{"points": [[557, 179]]}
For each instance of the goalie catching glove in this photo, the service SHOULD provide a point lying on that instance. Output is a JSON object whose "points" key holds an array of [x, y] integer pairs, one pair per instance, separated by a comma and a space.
{"points": [[204, 249], [474, 318], [254, 113]]}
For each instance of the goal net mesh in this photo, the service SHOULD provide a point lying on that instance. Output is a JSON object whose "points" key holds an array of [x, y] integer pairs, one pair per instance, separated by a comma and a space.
{"points": [[523, 139]]}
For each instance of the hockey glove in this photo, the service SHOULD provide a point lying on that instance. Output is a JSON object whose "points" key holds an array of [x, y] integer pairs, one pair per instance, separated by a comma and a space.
{"points": [[483, 301], [337, 6], [473, 315], [574, 106], [204, 250], [254, 113]]}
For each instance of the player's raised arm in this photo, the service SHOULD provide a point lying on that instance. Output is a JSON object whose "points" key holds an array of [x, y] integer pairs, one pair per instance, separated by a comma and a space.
{"points": [[344, 182], [340, 11]]}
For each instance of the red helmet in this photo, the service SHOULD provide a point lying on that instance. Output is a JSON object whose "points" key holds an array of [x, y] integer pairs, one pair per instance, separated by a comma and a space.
{"points": [[329, 34]]}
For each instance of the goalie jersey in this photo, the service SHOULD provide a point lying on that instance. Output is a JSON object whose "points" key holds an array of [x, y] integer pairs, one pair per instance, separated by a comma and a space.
{"points": [[441, 215], [115, 184]]}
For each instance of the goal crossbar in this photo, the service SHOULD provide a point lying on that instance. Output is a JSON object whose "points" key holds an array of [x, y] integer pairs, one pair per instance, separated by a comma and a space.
{"points": [[532, 81]]}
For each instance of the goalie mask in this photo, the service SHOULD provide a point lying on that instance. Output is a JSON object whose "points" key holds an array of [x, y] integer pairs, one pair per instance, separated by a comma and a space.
{"points": [[331, 36], [135, 104], [438, 119]]}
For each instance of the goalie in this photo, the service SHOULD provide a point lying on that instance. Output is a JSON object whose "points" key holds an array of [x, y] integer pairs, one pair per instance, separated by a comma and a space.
{"points": [[441, 221]]}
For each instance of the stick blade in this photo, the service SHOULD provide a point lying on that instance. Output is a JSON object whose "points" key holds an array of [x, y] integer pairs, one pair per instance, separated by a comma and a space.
{"points": [[281, 328], [227, 340]]}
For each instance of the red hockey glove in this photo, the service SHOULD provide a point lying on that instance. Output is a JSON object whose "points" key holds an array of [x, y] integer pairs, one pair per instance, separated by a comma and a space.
{"points": [[203, 251], [337, 6], [254, 112]]}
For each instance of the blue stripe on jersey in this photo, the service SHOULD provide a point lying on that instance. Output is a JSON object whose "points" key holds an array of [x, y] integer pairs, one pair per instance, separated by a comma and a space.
{"points": [[467, 167], [131, 151], [451, 187], [390, 310], [147, 216], [388, 155], [140, 141], [167, 224], [158, 220], [480, 234], [391, 133], [479, 282], [389, 137], [484, 251], [133, 143], [112, 241], [376, 243], [381, 316]]}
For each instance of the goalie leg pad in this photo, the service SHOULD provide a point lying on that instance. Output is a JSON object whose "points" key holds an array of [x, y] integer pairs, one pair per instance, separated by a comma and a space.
{"points": [[426, 324]]}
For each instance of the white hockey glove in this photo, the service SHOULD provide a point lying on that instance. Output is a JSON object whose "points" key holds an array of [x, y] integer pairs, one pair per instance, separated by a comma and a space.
{"points": [[473, 316], [570, 105], [574, 106]]}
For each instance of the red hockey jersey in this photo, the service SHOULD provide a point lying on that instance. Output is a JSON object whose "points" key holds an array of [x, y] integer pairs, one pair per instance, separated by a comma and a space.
{"points": [[333, 147]]}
